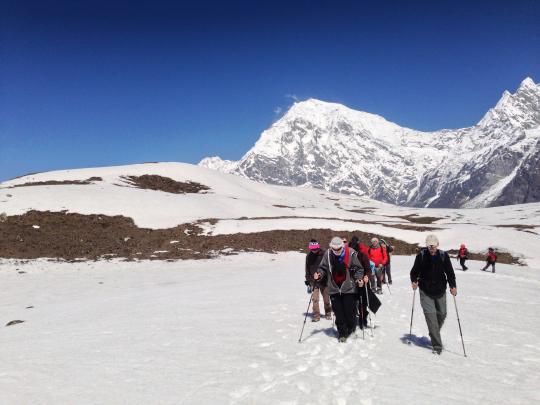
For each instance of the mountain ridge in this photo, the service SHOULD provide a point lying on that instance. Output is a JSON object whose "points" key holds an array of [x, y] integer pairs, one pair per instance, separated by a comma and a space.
{"points": [[333, 147]]}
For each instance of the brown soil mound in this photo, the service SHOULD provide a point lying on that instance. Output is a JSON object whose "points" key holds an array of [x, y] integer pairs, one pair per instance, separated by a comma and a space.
{"points": [[74, 236], [58, 183], [416, 219], [166, 184]]}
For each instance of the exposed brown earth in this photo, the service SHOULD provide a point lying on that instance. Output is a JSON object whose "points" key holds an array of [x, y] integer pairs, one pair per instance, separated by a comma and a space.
{"points": [[416, 219], [411, 227], [166, 184], [70, 236], [73, 236], [58, 182]]}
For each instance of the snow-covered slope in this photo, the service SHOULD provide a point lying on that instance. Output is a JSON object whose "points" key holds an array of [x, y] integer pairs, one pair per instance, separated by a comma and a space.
{"points": [[226, 331], [241, 205], [330, 146]]}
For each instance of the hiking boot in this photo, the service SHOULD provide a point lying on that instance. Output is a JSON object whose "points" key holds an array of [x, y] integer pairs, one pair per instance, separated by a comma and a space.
{"points": [[379, 291], [493, 271], [315, 319], [342, 339], [390, 282], [328, 316], [437, 349]]}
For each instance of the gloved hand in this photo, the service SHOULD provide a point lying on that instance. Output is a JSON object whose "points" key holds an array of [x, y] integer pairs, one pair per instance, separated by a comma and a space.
{"points": [[309, 290], [306, 283]]}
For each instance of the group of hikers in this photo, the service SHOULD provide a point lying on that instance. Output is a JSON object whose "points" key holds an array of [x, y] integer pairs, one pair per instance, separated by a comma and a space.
{"points": [[348, 275]]}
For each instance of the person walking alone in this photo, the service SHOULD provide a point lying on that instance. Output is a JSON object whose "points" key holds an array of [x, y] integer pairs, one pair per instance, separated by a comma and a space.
{"points": [[431, 271], [463, 256], [491, 259], [313, 259]]}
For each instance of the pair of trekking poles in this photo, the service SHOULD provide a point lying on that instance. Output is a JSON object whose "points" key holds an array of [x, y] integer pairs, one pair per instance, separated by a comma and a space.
{"points": [[457, 314], [361, 314]]}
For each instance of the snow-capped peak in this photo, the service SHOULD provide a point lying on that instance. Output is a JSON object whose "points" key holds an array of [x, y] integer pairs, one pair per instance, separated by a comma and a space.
{"points": [[330, 146]]}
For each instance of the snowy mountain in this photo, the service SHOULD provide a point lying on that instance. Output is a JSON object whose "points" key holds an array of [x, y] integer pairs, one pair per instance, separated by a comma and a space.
{"points": [[329, 146]]}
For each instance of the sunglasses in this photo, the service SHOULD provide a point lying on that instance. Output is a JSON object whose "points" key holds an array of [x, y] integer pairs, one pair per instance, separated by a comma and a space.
{"points": [[432, 247]]}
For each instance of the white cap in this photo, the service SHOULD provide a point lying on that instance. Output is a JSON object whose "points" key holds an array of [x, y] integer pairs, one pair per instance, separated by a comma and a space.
{"points": [[431, 240], [336, 243]]}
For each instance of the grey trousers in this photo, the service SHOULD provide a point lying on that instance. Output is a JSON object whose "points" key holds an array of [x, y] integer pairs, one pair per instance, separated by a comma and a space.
{"points": [[326, 299], [435, 313]]}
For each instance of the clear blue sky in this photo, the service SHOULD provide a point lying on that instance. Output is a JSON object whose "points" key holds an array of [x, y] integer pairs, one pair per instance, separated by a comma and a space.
{"points": [[99, 83]]}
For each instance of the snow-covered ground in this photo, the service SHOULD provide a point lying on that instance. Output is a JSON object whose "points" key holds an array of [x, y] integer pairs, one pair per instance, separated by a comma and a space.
{"points": [[226, 331]]}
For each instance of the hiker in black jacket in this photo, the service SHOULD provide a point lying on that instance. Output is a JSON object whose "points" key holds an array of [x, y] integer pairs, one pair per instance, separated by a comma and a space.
{"points": [[431, 271], [313, 259]]}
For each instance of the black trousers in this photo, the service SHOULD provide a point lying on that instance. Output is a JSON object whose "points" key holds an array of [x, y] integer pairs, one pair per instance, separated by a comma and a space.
{"points": [[344, 307], [462, 262]]}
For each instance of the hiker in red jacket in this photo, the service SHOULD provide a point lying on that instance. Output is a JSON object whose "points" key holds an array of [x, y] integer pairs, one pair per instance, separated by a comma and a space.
{"points": [[491, 259], [462, 256], [377, 254]]}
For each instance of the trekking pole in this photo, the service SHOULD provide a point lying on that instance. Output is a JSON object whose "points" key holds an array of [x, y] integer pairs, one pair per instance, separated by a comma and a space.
{"points": [[412, 314], [459, 323], [369, 316], [362, 317], [305, 319], [389, 290]]}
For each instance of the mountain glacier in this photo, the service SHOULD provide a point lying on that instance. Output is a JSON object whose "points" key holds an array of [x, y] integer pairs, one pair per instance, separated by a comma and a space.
{"points": [[329, 146]]}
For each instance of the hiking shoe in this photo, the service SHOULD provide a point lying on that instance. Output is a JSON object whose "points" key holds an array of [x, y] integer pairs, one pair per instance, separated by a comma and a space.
{"points": [[437, 349], [493, 271], [342, 339], [390, 282], [328, 316], [379, 291], [315, 319]]}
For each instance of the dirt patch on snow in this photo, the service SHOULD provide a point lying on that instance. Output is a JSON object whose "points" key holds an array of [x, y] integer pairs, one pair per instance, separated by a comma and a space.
{"points": [[166, 184], [58, 183], [416, 219], [73, 236]]}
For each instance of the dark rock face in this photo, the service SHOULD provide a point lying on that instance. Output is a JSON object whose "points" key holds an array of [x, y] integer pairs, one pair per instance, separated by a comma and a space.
{"points": [[525, 186]]}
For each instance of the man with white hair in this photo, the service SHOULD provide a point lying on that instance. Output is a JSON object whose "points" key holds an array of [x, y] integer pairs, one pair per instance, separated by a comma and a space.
{"points": [[343, 271], [431, 271]]}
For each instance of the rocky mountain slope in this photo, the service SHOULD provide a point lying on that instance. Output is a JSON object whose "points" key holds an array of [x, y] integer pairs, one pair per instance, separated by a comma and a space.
{"points": [[329, 146]]}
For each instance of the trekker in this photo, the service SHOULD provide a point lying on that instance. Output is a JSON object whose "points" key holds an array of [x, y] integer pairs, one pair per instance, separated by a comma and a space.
{"points": [[491, 259], [387, 273], [313, 259], [377, 254], [431, 271], [361, 250], [341, 267], [463, 256]]}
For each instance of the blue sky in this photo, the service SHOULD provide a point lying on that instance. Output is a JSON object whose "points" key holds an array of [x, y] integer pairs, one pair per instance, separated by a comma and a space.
{"points": [[104, 83]]}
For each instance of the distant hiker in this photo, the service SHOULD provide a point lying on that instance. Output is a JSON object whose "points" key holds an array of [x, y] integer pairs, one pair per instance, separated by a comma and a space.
{"points": [[313, 259], [491, 259], [341, 267], [431, 271], [463, 256], [387, 273], [377, 254]]}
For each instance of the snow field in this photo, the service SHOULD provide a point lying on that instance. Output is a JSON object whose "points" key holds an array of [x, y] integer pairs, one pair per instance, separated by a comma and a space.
{"points": [[226, 331]]}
